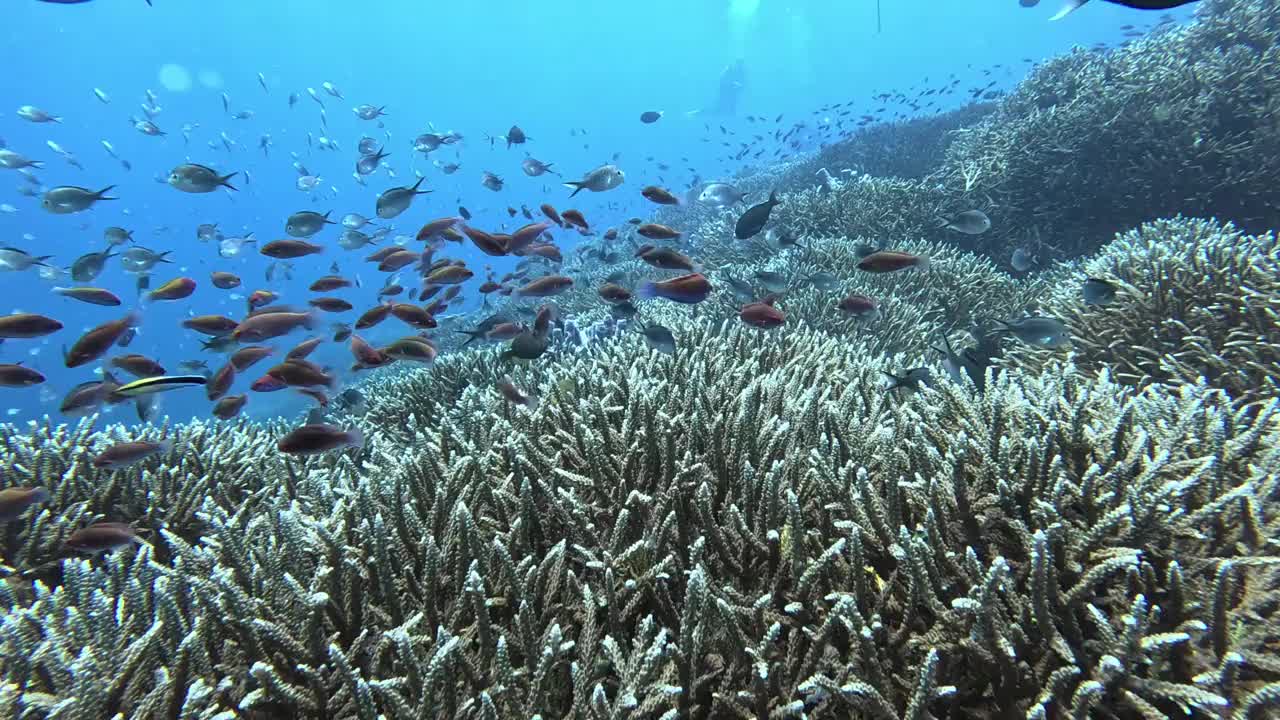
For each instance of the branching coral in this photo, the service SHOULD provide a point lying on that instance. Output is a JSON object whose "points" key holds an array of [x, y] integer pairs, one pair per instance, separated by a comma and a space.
{"points": [[773, 535], [1095, 142], [1196, 299]]}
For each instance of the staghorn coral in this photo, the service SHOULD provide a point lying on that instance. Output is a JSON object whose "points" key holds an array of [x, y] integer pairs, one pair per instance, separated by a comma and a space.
{"points": [[774, 536], [1197, 299], [1094, 142]]}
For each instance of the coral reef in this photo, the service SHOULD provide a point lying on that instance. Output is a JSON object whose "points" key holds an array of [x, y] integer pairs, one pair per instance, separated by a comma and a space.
{"points": [[775, 536], [752, 526], [1197, 299], [1095, 142]]}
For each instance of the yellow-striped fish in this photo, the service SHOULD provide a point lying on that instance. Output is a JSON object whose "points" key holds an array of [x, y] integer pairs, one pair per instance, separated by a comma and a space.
{"points": [[159, 383]]}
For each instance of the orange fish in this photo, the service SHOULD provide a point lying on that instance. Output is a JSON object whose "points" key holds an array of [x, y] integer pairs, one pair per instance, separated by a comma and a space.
{"points": [[762, 314], [654, 231], [659, 195], [289, 249], [688, 289], [450, 275], [614, 293], [546, 286], [330, 304], [229, 406], [514, 395], [95, 343], [319, 438], [175, 289], [366, 355], [303, 349], [884, 261], [397, 260], [669, 259], [373, 316], [857, 305], [245, 357], [329, 283], [258, 298], [221, 382], [214, 325], [436, 227], [575, 218], [27, 325], [413, 316], [257, 328], [525, 235], [224, 280], [551, 214], [488, 243], [412, 349]]}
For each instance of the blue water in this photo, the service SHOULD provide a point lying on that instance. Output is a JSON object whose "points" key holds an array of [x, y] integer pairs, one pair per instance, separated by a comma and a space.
{"points": [[475, 68]]}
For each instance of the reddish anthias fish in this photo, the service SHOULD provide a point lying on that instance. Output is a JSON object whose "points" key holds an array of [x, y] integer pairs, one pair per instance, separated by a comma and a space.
{"points": [[27, 325], [514, 395], [124, 454], [614, 293], [102, 537], [688, 289], [175, 289], [669, 259], [662, 196], [271, 325], [546, 286], [762, 314], [489, 243], [436, 227], [885, 261], [16, 500], [857, 305], [551, 214], [229, 406], [289, 249], [654, 231], [95, 343], [215, 325], [576, 218], [220, 382], [328, 283], [224, 280], [319, 438]]}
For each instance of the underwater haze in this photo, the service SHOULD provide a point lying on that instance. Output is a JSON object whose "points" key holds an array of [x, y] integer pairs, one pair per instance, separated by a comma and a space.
{"points": [[699, 360], [572, 76]]}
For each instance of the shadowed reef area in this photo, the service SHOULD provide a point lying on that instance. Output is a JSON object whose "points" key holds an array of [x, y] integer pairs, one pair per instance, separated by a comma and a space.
{"points": [[752, 527]]}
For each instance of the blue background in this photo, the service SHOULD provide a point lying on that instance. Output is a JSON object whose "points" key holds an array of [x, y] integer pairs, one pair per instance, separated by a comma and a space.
{"points": [[475, 67]]}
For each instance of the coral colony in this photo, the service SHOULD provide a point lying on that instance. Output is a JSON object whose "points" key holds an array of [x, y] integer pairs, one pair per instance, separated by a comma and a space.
{"points": [[1072, 514]]}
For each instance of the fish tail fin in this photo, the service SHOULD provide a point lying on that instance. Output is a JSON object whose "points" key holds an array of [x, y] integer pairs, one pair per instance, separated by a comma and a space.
{"points": [[473, 335], [355, 437], [102, 194], [222, 180], [922, 263], [577, 187], [1070, 7], [895, 382], [417, 185], [648, 291], [773, 197]]}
